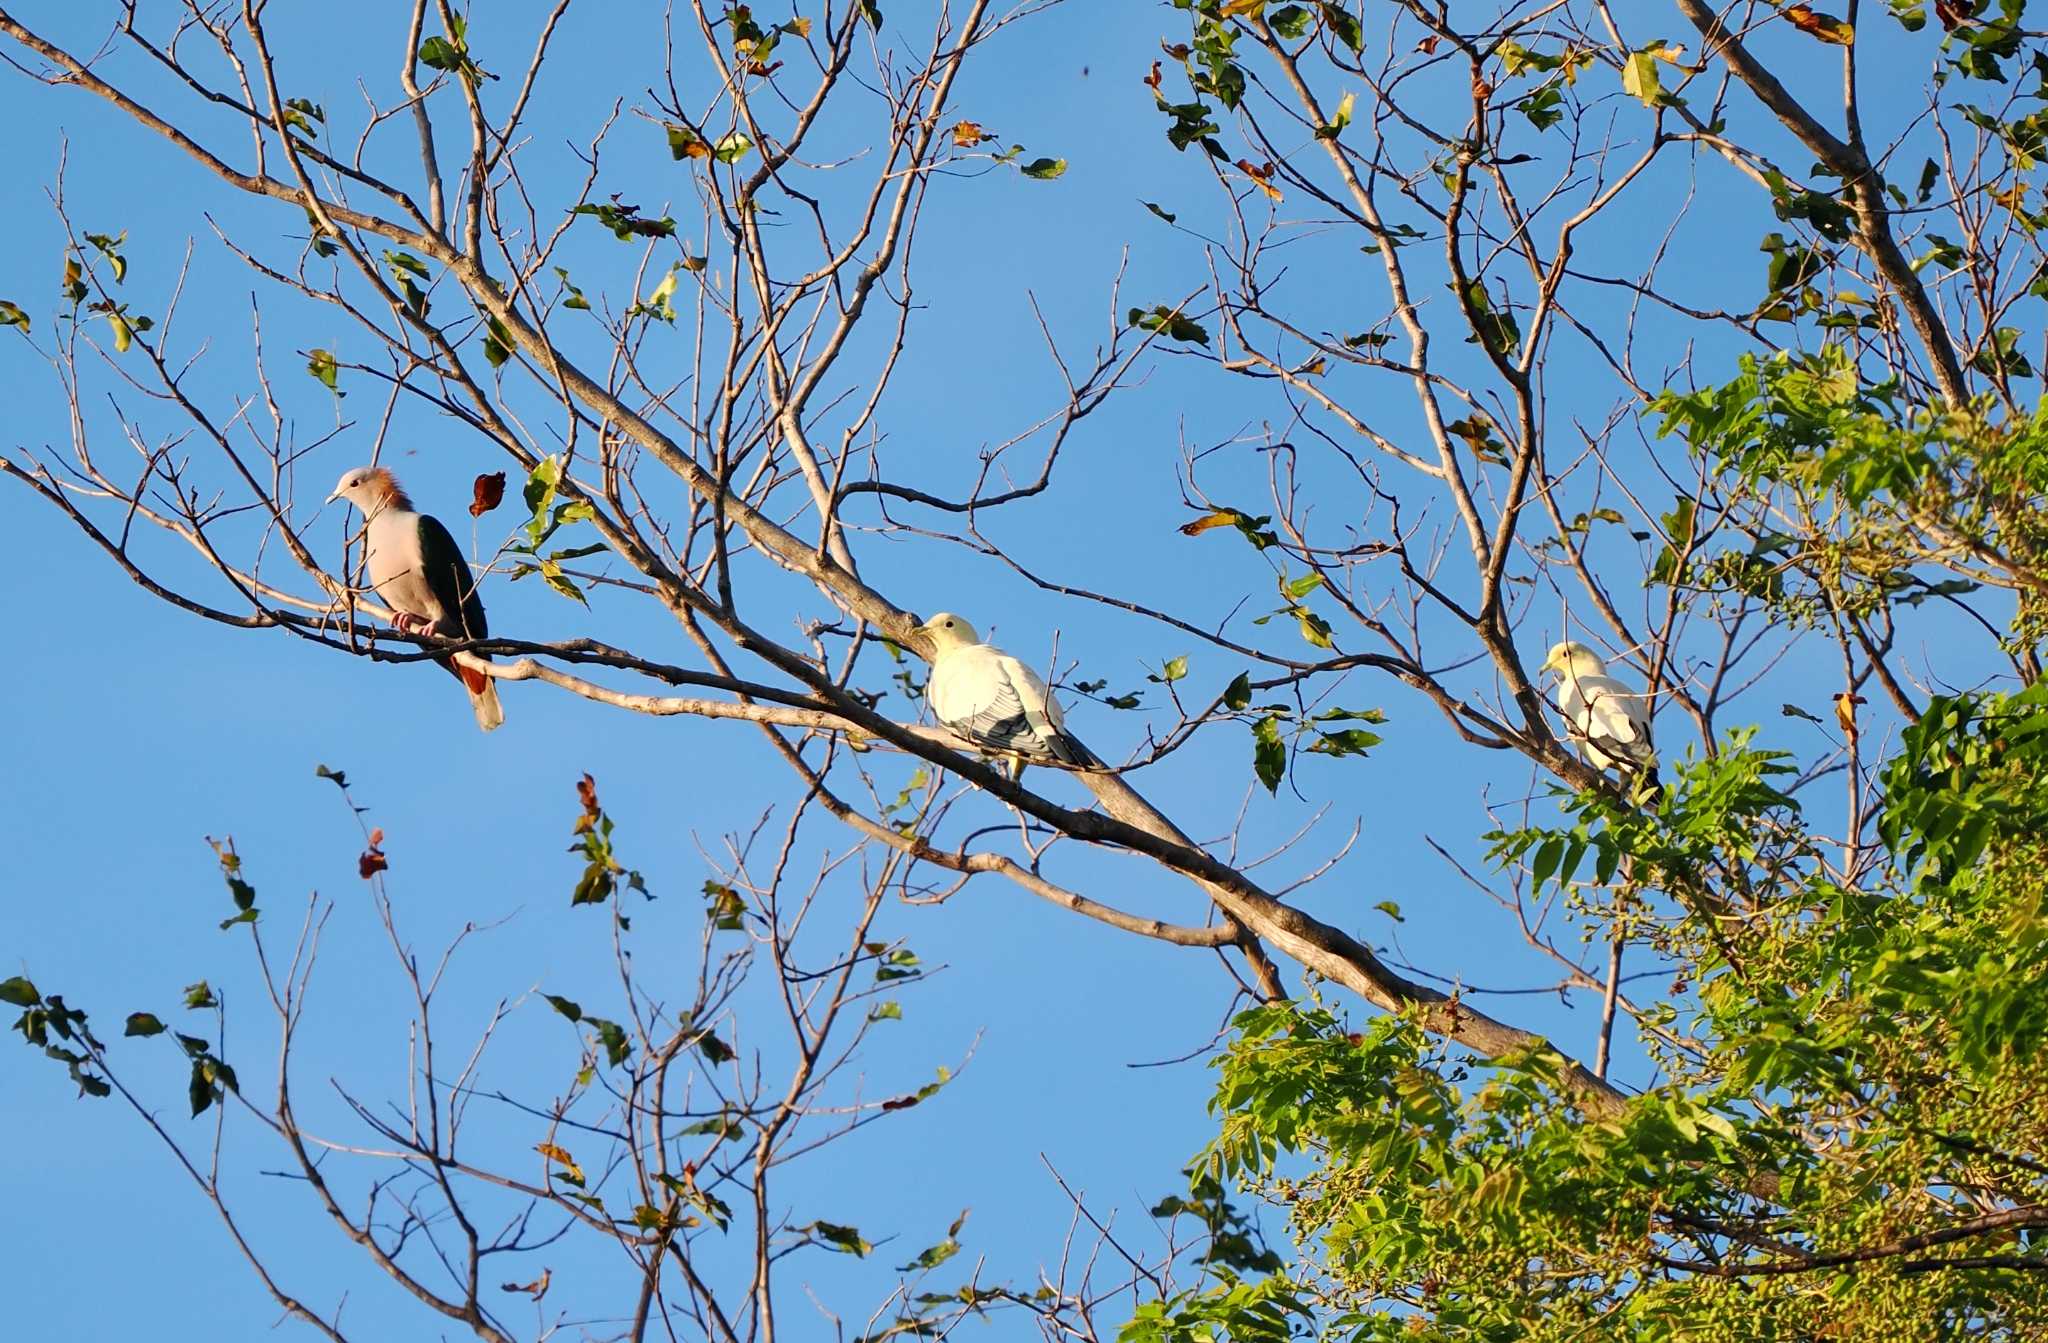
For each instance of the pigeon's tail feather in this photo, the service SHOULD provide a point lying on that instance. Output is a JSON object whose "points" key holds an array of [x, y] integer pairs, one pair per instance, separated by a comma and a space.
{"points": [[483, 697], [1065, 746]]}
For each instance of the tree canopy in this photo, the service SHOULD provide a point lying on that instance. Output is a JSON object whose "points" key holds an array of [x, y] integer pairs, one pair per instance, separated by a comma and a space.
{"points": [[1706, 337]]}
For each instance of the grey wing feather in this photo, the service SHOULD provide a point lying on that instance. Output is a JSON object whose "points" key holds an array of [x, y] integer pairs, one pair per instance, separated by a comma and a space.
{"points": [[454, 588], [1004, 724]]}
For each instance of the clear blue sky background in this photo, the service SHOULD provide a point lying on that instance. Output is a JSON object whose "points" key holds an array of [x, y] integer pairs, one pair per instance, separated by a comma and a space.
{"points": [[139, 731]]}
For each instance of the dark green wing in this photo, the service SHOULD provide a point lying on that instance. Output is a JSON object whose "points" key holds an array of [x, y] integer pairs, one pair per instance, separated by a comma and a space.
{"points": [[447, 573]]}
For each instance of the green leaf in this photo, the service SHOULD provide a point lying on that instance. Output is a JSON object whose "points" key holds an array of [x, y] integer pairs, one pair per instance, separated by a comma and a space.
{"points": [[715, 1049], [74, 279], [731, 148], [727, 909], [200, 1089], [1345, 25], [1348, 741], [322, 772], [1290, 22], [440, 53], [1314, 628], [200, 995], [10, 315], [2001, 354], [1269, 753], [1302, 586], [625, 222], [19, 992], [564, 1006], [890, 1010], [143, 1023], [1497, 331], [1174, 669], [1238, 693], [1044, 169], [110, 248], [302, 113], [1169, 218], [845, 1239], [1340, 119], [1543, 107], [575, 299], [323, 366], [1639, 76], [1794, 711], [901, 963], [1171, 322], [617, 1048], [498, 343], [932, 1257]]}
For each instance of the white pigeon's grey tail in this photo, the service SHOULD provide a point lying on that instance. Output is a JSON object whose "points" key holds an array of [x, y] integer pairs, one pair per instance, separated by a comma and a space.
{"points": [[1065, 746]]}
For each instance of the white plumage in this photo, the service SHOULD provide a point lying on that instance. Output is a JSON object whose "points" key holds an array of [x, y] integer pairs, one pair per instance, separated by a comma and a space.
{"points": [[993, 700], [1611, 721]]}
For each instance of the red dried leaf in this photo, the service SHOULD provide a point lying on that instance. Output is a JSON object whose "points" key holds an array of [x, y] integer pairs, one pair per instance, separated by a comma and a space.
{"points": [[586, 793], [1262, 177], [1955, 14], [1427, 46], [489, 492], [377, 838], [371, 863], [1152, 80]]}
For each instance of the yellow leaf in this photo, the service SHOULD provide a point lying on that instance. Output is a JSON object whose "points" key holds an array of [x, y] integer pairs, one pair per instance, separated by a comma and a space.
{"points": [[124, 335], [1238, 8], [562, 1159], [1826, 27], [968, 134], [2012, 197]]}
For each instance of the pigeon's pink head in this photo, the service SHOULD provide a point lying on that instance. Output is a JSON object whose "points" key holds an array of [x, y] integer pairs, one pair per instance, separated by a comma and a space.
{"points": [[372, 489]]}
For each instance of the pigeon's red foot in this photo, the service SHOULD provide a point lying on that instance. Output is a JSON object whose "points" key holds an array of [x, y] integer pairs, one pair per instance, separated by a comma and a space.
{"points": [[405, 622]]}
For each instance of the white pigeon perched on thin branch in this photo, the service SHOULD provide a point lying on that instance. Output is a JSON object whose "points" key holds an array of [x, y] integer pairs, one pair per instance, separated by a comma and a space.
{"points": [[1609, 719], [993, 700], [418, 571]]}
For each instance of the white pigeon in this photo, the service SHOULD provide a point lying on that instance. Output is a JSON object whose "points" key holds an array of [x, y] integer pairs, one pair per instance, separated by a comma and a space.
{"points": [[419, 572], [993, 700], [1612, 721]]}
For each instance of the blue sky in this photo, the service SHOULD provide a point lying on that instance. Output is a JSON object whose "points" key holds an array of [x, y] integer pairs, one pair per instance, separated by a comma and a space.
{"points": [[140, 731]]}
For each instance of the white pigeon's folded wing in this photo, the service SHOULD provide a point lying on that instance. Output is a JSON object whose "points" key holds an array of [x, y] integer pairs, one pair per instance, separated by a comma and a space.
{"points": [[996, 701], [1617, 721]]}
